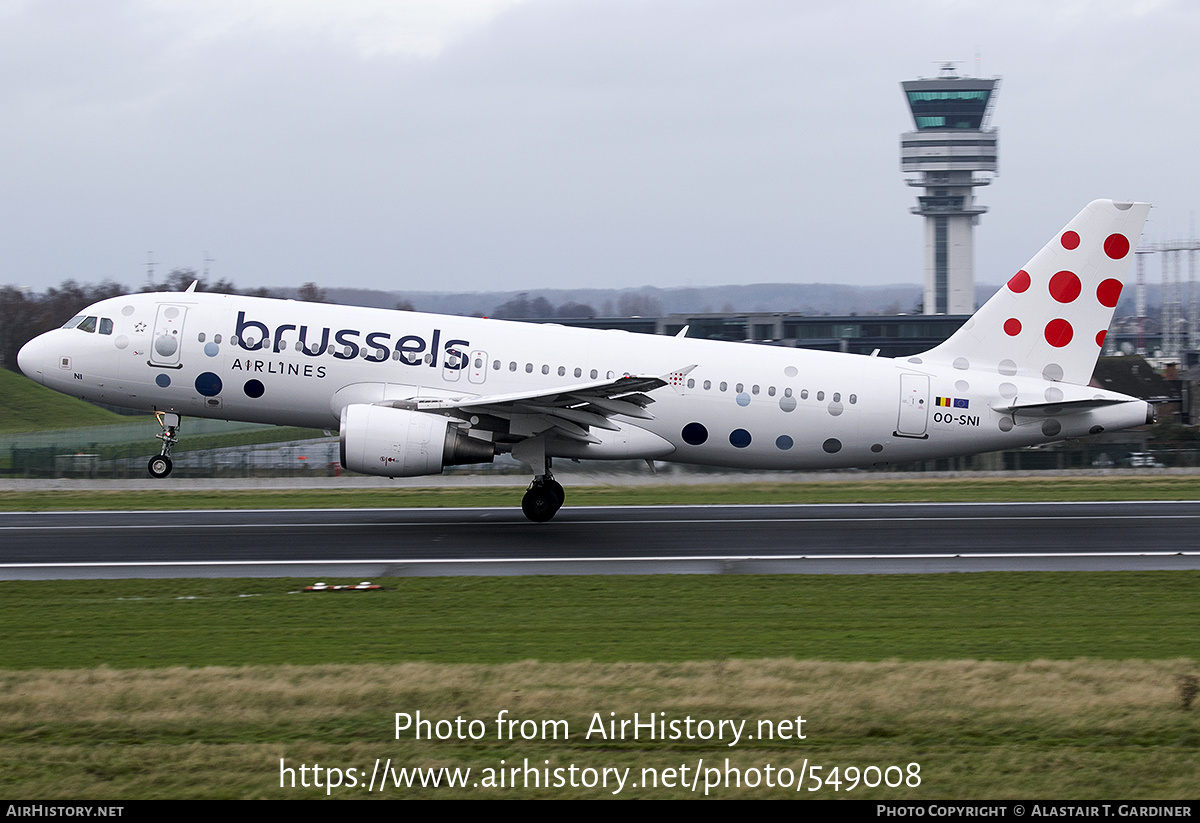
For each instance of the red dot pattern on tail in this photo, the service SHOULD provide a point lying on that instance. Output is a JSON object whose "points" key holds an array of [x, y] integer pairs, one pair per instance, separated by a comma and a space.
{"points": [[1059, 332], [1116, 246], [1019, 281], [1065, 287], [1109, 292]]}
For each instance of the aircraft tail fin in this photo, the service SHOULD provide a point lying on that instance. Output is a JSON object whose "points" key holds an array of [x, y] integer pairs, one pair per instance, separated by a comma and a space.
{"points": [[1051, 318]]}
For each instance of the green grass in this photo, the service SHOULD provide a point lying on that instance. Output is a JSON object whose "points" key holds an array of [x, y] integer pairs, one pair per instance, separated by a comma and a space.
{"points": [[864, 489], [986, 616], [1000, 685], [1080, 729], [27, 407], [997, 685]]}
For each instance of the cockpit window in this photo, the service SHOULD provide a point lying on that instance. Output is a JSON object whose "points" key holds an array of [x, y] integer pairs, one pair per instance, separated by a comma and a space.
{"points": [[106, 325], [88, 325], [73, 322]]}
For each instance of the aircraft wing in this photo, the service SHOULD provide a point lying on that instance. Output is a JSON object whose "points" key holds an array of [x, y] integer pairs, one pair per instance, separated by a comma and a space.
{"points": [[568, 411]]}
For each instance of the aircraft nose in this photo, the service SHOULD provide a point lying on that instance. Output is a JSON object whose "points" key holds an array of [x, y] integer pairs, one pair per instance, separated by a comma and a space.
{"points": [[32, 359]]}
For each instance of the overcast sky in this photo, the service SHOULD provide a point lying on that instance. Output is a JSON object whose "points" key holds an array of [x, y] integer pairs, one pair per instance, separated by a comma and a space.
{"points": [[525, 144]]}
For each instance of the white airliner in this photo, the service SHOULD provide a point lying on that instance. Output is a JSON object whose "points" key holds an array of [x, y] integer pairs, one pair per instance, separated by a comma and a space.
{"points": [[412, 393]]}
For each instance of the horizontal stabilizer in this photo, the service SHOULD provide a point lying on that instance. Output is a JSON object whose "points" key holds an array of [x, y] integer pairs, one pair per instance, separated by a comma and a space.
{"points": [[1068, 405]]}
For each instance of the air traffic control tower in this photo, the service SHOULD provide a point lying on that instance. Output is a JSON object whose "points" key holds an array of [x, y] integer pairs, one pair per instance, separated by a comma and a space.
{"points": [[952, 142]]}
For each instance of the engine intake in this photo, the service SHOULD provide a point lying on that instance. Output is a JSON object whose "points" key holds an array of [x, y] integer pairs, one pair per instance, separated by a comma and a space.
{"points": [[395, 442]]}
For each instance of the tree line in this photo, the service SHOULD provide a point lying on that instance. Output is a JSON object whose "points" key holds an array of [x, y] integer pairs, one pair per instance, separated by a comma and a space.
{"points": [[522, 307], [25, 314]]}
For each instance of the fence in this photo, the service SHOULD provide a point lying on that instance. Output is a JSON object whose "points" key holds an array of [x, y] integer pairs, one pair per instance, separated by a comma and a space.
{"points": [[320, 457]]}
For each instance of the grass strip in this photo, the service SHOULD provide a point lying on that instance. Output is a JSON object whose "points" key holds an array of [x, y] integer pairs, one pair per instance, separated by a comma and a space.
{"points": [[890, 489], [1079, 729], [231, 622], [26, 406]]}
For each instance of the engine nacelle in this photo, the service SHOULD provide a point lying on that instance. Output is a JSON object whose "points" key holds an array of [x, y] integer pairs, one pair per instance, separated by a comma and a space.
{"points": [[401, 443]]}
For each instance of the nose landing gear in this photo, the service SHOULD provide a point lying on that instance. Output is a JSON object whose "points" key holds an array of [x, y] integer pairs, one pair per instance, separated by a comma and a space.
{"points": [[160, 465]]}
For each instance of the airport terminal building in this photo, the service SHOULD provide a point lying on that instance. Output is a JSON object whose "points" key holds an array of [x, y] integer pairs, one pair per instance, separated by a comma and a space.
{"points": [[890, 335]]}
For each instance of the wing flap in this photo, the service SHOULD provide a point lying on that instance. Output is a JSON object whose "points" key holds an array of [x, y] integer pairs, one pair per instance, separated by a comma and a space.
{"points": [[568, 412], [557, 397]]}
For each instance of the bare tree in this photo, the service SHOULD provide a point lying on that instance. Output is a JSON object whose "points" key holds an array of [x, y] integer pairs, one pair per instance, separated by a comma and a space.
{"points": [[575, 310], [24, 315], [312, 293], [522, 308], [177, 279], [17, 323], [638, 305]]}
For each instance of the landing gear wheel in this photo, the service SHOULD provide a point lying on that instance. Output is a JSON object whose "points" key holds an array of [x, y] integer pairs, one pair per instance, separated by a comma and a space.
{"points": [[540, 503], [160, 466], [556, 487]]}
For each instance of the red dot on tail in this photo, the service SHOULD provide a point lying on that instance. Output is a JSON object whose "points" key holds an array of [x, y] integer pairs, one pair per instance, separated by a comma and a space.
{"points": [[1100, 338], [1070, 240], [1065, 286], [1059, 332], [1012, 327], [1109, 292], [1019, 281], [1116, 246]]}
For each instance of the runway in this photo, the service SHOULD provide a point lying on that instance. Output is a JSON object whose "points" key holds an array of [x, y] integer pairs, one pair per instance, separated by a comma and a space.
{"points": [[844, 538]]}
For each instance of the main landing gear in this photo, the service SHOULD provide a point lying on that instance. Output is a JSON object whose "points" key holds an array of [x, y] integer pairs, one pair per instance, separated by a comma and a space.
{"points": [[544, 497], [160, 465]]}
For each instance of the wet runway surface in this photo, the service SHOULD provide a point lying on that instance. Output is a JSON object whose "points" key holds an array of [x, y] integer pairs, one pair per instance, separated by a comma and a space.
{"points": [[861, 538]]}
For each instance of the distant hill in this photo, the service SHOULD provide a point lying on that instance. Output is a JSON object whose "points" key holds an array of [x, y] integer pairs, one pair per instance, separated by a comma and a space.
{"points": [[812, 298], [802, 298], [27, 407]]}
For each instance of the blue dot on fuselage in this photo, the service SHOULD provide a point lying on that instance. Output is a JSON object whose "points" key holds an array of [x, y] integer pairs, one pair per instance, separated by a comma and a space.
{"points": [[784, 442], [212, 349], [743, 399], [163, 380], [208, 384], [740, 438]]}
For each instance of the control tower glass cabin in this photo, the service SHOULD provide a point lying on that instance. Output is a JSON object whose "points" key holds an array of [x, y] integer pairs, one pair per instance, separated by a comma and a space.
{"points": [[951, 143]]}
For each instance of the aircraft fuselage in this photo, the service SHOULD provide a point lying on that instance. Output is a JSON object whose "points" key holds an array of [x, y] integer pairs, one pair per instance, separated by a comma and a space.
{"points": [[411, 393], [742, 405]]}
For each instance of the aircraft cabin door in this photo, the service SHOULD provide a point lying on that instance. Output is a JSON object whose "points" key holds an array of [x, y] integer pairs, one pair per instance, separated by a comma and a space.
{"points": [[167, 340], [914, 405], [477, 372]]}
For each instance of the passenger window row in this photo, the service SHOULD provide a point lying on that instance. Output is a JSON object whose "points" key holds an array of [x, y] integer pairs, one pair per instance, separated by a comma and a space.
{"points": [[513, 366], [771, 391]]}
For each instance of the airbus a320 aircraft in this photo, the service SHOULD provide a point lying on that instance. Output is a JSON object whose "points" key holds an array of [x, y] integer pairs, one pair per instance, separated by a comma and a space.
{"points": [[412, 393]]}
